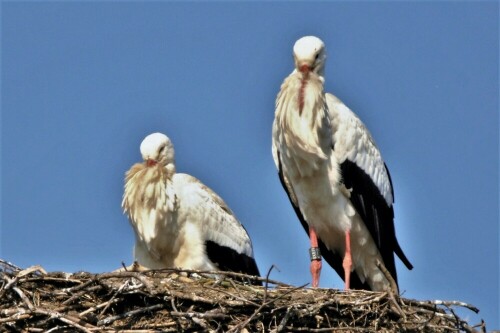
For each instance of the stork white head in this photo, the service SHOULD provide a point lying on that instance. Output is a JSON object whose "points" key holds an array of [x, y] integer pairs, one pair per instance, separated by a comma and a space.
{"points": [[309, 54], [157, 148]]}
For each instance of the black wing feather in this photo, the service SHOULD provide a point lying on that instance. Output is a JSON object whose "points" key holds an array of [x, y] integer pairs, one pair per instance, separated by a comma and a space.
{"points": [[228, 259], [399, 252], [375, 212]]}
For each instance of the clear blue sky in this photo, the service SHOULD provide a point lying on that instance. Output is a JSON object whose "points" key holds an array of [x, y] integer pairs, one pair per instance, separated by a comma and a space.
{"points": [[84, 82]]}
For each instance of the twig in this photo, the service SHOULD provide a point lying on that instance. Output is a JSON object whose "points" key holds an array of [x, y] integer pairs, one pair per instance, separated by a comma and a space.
{"points": [[395, 304], [212, 273], [137, 275], [266, 282], [114, 296], [455, 303], [289, 312], [136, 331], [264, 303], [24, 298], [65, 319], [198, 315], [79, 294], [111, 319], [97, 307], [326, 329], [10, 284], [388, 276], [256, 312], [51, 279], [30, 270], [232, 295], [191, 297], [17, 317], [9, 265]]}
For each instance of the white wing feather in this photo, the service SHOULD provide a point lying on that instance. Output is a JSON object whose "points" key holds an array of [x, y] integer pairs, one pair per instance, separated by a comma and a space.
{"points": [[218, 223], [354, 142]]}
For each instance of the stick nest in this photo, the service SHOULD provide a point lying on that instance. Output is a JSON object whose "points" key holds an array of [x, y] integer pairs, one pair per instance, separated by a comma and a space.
{"points": [[33, 300]]}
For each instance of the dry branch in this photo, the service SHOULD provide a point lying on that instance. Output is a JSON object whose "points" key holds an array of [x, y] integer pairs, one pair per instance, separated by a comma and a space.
{"points": [[171, 300]]}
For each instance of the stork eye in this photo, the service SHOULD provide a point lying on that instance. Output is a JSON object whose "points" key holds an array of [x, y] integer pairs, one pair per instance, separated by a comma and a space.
{"points": [[161, 149], [317, 56]]}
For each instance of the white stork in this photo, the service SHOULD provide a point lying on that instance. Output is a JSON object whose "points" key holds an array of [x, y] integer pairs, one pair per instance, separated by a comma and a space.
{"points": [[178, 221], [334, 176]]}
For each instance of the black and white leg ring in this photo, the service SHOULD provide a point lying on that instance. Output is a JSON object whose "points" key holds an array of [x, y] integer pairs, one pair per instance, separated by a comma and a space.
{"points": [[314, 253]]}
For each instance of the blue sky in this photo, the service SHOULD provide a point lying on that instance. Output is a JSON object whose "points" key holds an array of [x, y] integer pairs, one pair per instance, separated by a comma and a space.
{"points": [[82, 83]]}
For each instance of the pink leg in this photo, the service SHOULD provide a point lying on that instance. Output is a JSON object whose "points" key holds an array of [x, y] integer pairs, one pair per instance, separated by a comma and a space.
{"points": [[315, 263], [347, 264]]}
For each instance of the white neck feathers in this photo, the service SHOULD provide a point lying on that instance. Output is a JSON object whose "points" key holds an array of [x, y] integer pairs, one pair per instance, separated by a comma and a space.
{"points": [[302, 117]]}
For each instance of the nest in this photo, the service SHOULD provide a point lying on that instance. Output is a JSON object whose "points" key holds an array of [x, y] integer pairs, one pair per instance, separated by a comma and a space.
{"points": [[172, 300]]}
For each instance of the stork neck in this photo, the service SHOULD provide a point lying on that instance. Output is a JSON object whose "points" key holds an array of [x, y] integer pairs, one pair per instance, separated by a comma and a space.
{"points": [[148, 188], [302, 117], [303, 83]]}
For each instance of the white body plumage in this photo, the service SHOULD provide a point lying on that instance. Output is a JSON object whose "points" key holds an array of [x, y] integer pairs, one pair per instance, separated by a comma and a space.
{"points": [[178, 221]]}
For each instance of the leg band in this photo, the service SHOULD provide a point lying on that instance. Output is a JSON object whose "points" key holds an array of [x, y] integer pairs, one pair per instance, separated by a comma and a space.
{"points": [[314, 253]]}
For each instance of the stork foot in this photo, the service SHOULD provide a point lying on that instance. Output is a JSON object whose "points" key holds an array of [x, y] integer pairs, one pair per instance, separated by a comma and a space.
{"points": [[134, 267], [347, 263], [315, 272]]}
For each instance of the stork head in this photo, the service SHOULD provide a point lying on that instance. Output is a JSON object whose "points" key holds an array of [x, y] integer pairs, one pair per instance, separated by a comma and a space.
{"points": [[309, 54], [156, 149]]}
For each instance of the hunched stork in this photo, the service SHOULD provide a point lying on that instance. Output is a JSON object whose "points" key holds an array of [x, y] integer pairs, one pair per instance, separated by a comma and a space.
{"points": [[335, 178], [178, 221]]}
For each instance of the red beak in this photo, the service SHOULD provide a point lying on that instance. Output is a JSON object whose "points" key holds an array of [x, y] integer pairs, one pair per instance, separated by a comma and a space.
{"points": [[150, 163], [304, 69]]}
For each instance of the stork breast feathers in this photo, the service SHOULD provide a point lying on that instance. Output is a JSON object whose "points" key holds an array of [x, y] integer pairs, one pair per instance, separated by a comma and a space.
{"points": [[305, 131]]}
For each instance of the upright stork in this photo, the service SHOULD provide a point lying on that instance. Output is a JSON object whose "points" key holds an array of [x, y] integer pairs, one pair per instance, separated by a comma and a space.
{"points": [[178, 221], [335, 178]]}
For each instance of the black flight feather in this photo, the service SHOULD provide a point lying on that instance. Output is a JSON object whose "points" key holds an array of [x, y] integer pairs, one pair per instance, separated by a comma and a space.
{"points": [[228, 259], [375, 212]]}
